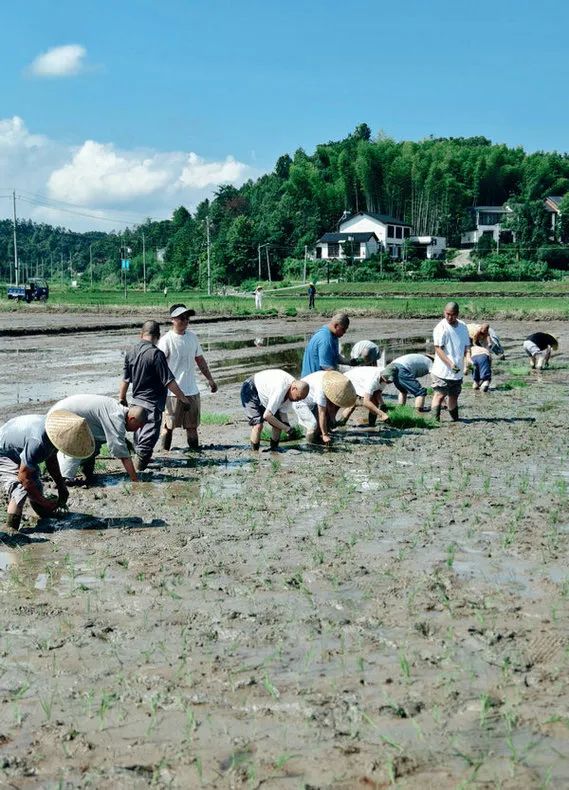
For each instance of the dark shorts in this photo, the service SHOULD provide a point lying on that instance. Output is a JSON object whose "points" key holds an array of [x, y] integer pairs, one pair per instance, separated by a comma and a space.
{"points": [[481, 368], [406, 382], [451, 387], [254, 409]]}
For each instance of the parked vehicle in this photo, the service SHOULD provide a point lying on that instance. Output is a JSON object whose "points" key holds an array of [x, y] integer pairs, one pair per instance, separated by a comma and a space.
{"points": [[35, 290]]}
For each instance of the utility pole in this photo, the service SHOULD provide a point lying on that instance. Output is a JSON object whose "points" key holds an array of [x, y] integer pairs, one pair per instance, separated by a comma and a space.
{"points": [[144, 262], [208, 257], [305, 255], [259, 254], [268, 262], [16, 271], [91, 263]]}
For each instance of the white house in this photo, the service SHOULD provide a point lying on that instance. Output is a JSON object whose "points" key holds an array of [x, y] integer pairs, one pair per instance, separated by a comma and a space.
{"points": [[372, 232], [344, 245], [552, 203], [488, 221], [430, 247]]}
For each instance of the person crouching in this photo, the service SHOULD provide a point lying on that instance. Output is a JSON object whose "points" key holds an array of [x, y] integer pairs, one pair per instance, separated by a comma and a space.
{"points": [[265, 398], [316, 413]]}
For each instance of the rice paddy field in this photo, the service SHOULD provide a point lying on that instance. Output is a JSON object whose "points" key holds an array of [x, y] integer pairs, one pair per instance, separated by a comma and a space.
{"points": [[390, 612]]}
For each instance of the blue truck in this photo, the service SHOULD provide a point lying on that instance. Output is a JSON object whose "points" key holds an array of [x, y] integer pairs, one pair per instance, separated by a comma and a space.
{"points": [[34, 290]]}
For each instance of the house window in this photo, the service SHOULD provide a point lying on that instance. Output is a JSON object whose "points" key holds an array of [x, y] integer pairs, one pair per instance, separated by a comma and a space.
{"points": [[406, 232], [318, 252], [333, 249], [390, 233], [489, 218], [399, 232]]}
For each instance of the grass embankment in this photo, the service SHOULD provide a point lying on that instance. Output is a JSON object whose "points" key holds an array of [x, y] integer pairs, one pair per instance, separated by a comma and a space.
{"points": [[535, 301]]}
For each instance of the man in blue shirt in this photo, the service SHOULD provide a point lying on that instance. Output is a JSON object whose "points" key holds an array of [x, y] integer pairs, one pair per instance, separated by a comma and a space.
{"points": [[323, 349]]}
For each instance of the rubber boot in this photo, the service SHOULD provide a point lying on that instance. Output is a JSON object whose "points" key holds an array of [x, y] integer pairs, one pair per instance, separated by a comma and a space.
{"points": [[274, 444], [88, 468], [453, 414], [13, 521], [437, 413], [140, 464], [372, 419], [166, 440], [255, 446], [194, 445]]}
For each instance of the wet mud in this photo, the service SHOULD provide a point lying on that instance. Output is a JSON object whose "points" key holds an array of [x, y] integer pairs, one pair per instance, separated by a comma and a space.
{"points": [[393, 612]]}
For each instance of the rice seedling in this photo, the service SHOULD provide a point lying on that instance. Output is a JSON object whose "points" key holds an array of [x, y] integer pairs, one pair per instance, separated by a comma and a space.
{"points": [[406, 417], [215, 418], [295, 435], [512, 384]]}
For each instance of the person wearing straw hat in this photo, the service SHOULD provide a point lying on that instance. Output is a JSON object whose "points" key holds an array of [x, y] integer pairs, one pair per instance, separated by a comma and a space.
{"points": [[109, 422], [26, 442], [183, 352], [405, 372], [538, 347], [368, 383], [323, 349], [329, 391], [145, 366], [258, 297], [266, 397]]}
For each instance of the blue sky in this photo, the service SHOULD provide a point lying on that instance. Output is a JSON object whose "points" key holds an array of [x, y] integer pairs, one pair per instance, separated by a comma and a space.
{"points": [[158, 100]]}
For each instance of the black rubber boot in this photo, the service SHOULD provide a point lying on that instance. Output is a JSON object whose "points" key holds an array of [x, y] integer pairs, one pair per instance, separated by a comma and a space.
{"points": [[437, 413], [88, 468], [194, 445], [255, 445], [453, 414], [166, 440], [274, 444], [140, 464], [13, 521], [372, 419]]}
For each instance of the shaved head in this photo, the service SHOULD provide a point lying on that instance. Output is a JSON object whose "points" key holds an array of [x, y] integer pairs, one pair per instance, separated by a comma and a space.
{"points": [[298, 390], [136, 417], [150, 329]]}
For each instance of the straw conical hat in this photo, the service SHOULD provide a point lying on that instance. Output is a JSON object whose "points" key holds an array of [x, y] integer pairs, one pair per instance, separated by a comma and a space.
{"points": [[338, 389], [70, 433]]}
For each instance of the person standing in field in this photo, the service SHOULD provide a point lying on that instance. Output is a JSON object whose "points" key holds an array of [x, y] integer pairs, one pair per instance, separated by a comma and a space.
{"points": [[259, 297], [538, 347], [146, 368], [323, 349], [183, 352], [266, 397], [452, 354], [311, 295], [405, 372]]}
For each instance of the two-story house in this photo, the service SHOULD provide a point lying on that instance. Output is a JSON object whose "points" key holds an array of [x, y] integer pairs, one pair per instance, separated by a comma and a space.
{"points": [[365, 233], [487, 221]]}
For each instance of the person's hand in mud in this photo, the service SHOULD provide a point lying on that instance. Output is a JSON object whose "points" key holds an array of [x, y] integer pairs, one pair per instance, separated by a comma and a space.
{"points": [[326, 438], [290, 432], [62, 495], [48, 507]]}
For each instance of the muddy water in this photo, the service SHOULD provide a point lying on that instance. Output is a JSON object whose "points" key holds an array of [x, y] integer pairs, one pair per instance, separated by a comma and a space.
{"points": [[393, 612]]}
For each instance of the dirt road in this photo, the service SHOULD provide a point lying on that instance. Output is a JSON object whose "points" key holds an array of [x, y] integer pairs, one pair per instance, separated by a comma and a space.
{"points": [[390, 612]]}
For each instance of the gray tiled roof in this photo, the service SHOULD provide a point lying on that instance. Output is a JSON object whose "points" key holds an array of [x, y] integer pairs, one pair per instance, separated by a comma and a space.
{"points": [[357, 237]]}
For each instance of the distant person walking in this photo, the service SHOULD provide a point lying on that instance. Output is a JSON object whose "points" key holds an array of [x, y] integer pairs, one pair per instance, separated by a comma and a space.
{"points": [[311, 295], [259, 297], [538, 347], [183, 352], [452, 353], [323, 349]]}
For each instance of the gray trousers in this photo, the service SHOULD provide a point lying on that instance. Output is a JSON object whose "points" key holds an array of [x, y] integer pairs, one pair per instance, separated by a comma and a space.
{"points": [[146, 437]]}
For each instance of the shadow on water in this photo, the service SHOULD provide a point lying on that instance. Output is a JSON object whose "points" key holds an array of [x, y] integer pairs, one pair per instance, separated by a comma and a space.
{"points": [[469, 420]]}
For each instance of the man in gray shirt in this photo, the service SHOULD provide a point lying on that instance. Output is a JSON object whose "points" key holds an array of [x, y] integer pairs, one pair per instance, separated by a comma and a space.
{"points": [[146, 368], [405, 372], [109, 422]]}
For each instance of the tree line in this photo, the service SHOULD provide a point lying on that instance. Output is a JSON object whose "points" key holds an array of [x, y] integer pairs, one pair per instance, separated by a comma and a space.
{"points": [[430, 184]]}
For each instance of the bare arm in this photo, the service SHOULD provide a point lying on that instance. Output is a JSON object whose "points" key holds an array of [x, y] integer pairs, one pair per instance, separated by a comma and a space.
{"points": [[369, 404], [26, 478], [441, 355], [52, 466], [202, 365], [323, 424], [175, 390], [123, 389], [269, 417], [129, 468]]}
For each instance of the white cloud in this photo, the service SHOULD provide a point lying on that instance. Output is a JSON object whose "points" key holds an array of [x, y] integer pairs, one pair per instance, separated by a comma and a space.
{"points": [[64, 61], [103, 181]]}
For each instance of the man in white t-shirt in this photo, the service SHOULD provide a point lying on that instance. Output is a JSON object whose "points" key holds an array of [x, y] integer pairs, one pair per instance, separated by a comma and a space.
{"points": [[266, 397], [452, 355], [183, 352], [368, 383]]}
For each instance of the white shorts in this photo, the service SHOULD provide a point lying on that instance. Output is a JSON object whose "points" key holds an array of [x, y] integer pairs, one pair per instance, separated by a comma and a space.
{"points": [[531, 348]]}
